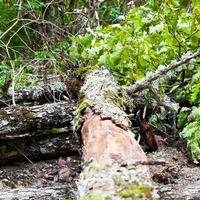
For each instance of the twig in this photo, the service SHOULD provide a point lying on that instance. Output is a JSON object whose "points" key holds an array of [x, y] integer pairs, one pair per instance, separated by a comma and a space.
{"points": [[13, 25], [160, 100], [13, 76], [20, 152], [145, 162]]}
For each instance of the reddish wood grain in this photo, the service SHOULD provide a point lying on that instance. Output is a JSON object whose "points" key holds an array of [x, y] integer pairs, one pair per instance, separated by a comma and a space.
{"points": [[106, 142]]}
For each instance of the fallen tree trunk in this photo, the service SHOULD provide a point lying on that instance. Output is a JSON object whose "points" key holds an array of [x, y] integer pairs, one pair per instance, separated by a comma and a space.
{"points": [[37, 132], [187, 192], [40, 94], [44, 193], [113, 159], [115, 166], [31, 149], [18, 121]]}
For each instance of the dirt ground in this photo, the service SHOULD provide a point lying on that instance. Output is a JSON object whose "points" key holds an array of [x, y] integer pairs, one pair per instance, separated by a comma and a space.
{"points": [[45, 174], [179, 179]]}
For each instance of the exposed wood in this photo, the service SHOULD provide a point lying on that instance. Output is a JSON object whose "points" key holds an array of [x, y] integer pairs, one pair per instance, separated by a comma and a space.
{"points": [[18, 121], [148, 134], [40, 94], [112, 143], [109, 144]]}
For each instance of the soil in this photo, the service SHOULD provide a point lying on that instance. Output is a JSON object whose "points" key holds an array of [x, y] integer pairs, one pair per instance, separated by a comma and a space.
{"points": [[179, 179], [44, 174], [173, 180]]}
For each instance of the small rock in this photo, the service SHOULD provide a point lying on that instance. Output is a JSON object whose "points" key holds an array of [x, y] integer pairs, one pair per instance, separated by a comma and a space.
{"points": [[46, 176], [61, 162], [55, 178], [8, 183], [19, 184]]}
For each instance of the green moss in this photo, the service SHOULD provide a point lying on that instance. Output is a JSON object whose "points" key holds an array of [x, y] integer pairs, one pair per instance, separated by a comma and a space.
{"points": [[83, 71], [92, 168], [81, 106], [136, 191], [51, 131], [28, 115], [93, 197], [63, 198], [118, 101], [55, 130]]}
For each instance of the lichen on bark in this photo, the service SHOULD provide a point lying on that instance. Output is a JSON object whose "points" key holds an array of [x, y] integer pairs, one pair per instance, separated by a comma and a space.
{"points": [[102, 92], [108, 142], [115, 182]]}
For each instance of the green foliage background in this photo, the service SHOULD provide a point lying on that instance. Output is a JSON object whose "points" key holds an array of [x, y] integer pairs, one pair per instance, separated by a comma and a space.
{"points": [[141, 42], [46, 38]]}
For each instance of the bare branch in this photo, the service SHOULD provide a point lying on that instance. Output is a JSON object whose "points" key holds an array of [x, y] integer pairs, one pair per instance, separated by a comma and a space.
{"points": [[142, 84]]}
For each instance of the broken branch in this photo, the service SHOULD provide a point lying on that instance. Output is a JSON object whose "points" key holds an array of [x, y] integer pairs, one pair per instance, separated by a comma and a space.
{"points": [[142, 84]]}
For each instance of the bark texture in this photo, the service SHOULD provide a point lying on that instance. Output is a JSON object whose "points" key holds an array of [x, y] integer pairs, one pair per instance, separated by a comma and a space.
{"points": [[47, 193], [162, 71], [37, 132], [39, 94], [21, 121], [37, 148], [110, 150], [187, 192]]}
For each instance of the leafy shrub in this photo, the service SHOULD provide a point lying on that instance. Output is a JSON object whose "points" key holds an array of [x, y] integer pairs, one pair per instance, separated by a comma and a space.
{"points": [[141, 42], [148, 37], [194, 88], [192, 133], [191, 120]]}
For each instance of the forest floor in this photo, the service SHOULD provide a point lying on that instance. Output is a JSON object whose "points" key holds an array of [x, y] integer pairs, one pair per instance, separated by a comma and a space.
{"points": [[56, 173], [180, 178], [175, 178]]}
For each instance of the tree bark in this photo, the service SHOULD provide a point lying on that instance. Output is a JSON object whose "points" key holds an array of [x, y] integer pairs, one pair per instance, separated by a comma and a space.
{"points": [[112, 157], [160, 72], [18, 121], [37, 132], [44, 94], [187, 192], [31, 149], [44, 193]]}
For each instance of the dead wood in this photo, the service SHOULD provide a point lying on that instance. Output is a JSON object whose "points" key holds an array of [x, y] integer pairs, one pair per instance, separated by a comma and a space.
{"points": [[108, 142], [187, 192], [43, 193], [31, 149], [18, 121], [39, 94], [160, 72], [37, 132]]}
